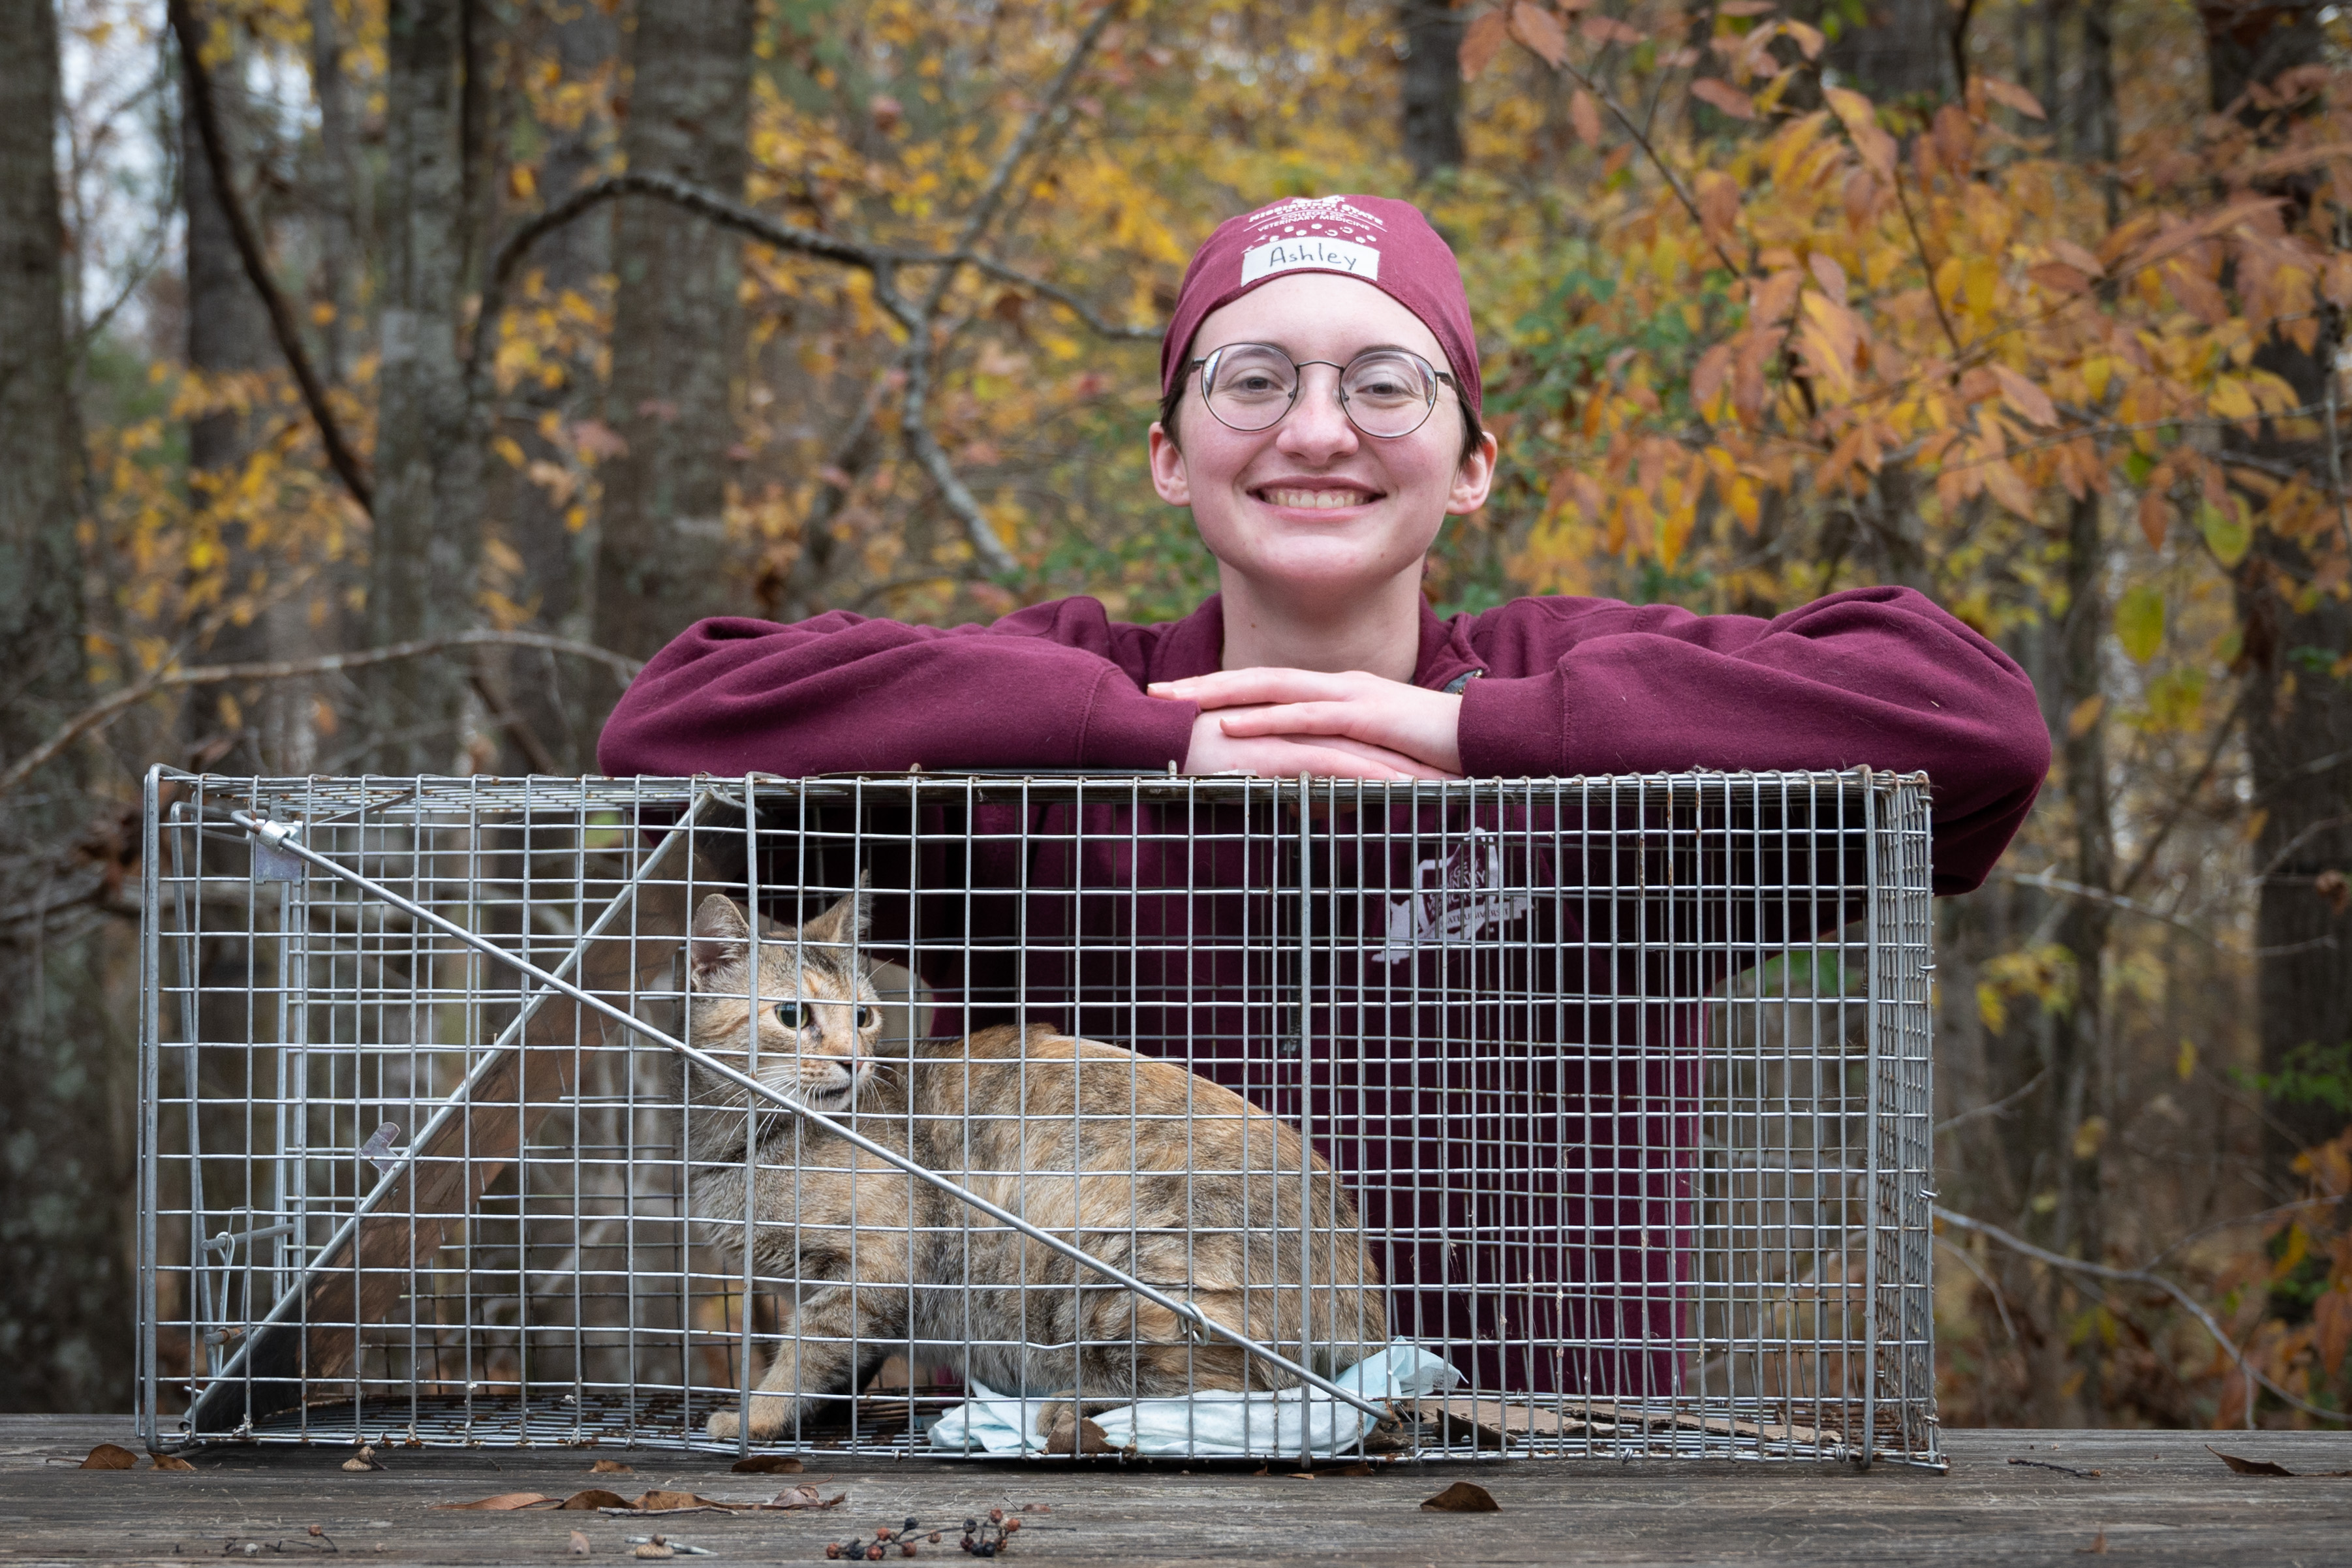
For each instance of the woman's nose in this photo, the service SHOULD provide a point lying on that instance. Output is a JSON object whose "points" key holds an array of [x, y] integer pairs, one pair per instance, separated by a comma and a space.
{"points": [[1317, 428]]}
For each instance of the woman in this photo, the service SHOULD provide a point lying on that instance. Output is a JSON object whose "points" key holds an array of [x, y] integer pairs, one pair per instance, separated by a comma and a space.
{"points": [[1320, 418]]}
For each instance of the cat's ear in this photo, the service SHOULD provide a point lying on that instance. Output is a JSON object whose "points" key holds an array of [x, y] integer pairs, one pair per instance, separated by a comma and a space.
{"points": [[721, 938], [847, 920]]}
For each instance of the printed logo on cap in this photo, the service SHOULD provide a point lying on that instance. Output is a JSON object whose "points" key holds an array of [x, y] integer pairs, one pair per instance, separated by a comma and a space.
{"points": [[1324, 234]]}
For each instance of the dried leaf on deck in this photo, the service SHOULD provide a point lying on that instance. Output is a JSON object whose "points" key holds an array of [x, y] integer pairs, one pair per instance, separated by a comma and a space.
{"points": [[505, 1502], [579, 1544], [2265, 1468], [805, 1497], [110, 1456], [171, 1462], [362, 1461], [767, 1465], [2098, 1547], [1462, 1496], [610, 1467], [595, 1497], [666, 1502]]}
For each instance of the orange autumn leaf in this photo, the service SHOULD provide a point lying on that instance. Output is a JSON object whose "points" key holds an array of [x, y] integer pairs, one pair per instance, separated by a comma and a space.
{"points": [[1480, 41], [1723, 96], [1540, 30]]}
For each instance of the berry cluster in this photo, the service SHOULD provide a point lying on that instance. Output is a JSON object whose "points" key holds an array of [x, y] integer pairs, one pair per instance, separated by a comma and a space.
{"points": [[989, 1537]]}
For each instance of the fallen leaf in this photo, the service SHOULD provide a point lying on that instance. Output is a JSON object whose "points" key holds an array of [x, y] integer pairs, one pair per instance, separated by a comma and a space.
{"points": [[579, 1545], [767, 1465], [1036, 1508], [171, 1462], [1358, 1469], [615, 1468], [2098, 1547], [110, 1456], [595, 1497], [2264, 1468], [1463, 1498], [505, 1502], [805, 1497]]}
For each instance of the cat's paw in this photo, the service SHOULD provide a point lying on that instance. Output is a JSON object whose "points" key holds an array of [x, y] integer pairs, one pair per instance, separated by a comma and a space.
{"points": [[770, 1415]]}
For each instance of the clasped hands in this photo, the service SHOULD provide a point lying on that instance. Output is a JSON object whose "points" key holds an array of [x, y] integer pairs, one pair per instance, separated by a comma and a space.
{"points": [[1278, 723]]}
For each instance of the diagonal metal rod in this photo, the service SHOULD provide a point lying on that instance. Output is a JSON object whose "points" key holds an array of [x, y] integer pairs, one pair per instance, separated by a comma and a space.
{"points": [[458, 1096], [283, 838]]}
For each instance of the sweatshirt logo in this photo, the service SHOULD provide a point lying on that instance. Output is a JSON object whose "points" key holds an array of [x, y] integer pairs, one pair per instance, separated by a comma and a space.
{"points": [[1454, 902]]}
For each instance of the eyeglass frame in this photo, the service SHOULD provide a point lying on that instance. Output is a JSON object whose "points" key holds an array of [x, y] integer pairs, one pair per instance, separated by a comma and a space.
{"points": [[1338, 387]]}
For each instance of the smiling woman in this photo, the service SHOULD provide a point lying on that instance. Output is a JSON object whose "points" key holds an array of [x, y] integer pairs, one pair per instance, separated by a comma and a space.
{"points": [[1320, 419], [1308, 426]]}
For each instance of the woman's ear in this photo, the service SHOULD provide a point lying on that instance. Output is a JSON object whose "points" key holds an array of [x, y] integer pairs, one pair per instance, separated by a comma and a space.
{"points": [[1474, 478], [1167, 476]]}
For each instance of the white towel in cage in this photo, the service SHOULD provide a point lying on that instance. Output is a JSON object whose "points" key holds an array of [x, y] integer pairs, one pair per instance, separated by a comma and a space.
{"points": [[1211, 1425]]}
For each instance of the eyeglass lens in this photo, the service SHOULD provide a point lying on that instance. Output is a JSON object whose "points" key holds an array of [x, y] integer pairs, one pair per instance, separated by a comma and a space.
{"points": [[1384, 392]]}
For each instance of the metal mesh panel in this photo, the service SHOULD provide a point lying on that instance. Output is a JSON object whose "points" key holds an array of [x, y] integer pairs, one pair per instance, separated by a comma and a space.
{"points": [[1605, 1102]]}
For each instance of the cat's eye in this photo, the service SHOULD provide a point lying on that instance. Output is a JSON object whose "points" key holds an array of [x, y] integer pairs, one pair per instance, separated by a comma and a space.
{"points": [[790, 1015], [864, 1018]]}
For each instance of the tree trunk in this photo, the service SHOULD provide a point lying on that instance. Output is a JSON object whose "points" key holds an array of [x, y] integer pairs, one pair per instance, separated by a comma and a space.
{"points": [[2073, 1128], [2299, 720], [557, 703], [228, 336], [66, 1174], [1433, 85], [662, 555], [428, 511], [336, 189]]}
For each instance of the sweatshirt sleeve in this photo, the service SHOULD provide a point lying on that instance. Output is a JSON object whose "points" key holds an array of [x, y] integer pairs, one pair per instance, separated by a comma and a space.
{"points": [[1056, 686], [1874, 676]]}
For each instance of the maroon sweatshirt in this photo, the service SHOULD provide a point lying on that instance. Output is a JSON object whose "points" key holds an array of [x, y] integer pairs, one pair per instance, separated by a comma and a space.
{"points": [[1539, 1202]]}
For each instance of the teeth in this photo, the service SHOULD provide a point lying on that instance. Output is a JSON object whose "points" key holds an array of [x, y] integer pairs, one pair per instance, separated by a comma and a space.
{"points": [[1319, 500]]}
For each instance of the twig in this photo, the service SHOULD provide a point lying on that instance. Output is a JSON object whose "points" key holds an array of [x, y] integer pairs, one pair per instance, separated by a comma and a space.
{"points": [[914, 409], [2062, 1470], [2189, 794], [2336, 460], [1998, 1106], [2049, 883], [1919, 243], [1673, 182], [339, 455], [2139, 1277], [1991, 1285], [164, 679]]}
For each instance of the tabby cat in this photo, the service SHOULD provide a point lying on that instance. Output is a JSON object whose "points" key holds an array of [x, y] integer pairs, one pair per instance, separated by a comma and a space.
{"points": [[1176, 1180]]}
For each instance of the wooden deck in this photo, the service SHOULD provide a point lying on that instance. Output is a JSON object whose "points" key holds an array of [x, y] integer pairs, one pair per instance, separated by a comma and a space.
{"points": [[2159, 1497]]}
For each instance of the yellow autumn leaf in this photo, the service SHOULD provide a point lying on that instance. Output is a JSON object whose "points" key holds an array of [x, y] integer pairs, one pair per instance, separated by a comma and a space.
{"points": [[2139, 622]]}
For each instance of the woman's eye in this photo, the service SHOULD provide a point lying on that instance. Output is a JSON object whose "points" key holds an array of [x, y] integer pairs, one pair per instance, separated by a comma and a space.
{"points": [[864, 1018], [789, 1014]]}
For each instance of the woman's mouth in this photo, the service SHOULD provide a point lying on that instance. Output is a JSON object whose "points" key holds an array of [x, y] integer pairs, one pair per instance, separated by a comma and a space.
{"points": [[1316, 499]]}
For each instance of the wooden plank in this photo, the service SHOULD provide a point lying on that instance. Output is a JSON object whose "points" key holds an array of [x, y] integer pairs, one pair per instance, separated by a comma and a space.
{"points": [[2159, 1497]]}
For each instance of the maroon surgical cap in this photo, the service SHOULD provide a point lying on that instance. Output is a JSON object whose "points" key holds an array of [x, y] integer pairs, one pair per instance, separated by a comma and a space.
{"points": [[1385, 242]]}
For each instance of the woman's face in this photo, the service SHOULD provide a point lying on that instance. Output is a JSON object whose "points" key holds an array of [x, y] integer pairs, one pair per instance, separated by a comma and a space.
{"points": [[1313, 506]]}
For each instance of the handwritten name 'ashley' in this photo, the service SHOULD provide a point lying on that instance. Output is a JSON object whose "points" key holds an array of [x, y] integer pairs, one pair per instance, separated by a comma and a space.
{"points": [[1327, 255]]}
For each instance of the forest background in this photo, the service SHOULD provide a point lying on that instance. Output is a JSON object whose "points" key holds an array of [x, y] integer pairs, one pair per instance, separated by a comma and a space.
{"points": [[380, 380]]}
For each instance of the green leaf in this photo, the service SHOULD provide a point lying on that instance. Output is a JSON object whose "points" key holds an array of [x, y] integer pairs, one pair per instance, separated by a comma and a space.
{"points": [[2138, 465], [2139, 622], [2226, 532]]}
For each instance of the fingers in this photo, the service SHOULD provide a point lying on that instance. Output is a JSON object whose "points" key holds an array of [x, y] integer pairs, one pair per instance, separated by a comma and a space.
{"points": [[1284, 757], [1234, 688], [1349, 719]]}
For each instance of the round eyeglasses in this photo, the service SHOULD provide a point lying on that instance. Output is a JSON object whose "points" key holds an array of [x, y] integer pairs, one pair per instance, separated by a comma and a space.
{"points": [[1385, 393]]}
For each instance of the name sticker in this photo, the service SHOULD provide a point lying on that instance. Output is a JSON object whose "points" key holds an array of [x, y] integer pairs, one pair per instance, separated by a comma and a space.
{"points": [[1314, 250]]}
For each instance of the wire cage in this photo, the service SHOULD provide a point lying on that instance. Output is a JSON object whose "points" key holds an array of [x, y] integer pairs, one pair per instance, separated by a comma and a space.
{"points": [[1141, 1115]]}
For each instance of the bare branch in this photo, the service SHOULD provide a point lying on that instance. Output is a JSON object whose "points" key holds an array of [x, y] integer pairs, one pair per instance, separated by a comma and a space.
{"points": [[2139, 1277], [1623, 117], [1077, 306], [165, 679], [915, 410], [199, 84]]}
